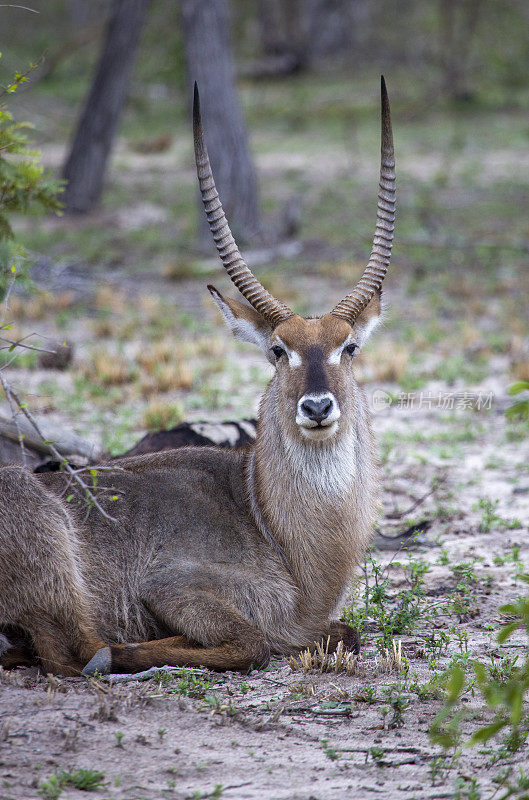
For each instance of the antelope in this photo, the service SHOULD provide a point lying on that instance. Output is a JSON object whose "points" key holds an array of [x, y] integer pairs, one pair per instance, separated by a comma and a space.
{"points": [[213, 557]]}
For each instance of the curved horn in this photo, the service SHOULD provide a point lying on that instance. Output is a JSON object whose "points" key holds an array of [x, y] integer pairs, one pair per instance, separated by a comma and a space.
{"points": [[354, 303], [270, 308]]}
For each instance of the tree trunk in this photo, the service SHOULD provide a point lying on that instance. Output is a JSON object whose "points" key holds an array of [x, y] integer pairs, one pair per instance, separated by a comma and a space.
{"points": [[85, 168], [206, 28], [458, 24]]}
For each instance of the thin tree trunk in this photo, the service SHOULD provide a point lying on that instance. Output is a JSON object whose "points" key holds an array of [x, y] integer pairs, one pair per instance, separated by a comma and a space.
{"points": [[206, 27], [85, 168]]}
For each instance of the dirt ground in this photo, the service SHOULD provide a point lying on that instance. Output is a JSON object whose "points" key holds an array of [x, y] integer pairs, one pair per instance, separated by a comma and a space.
{"points": [[149, 351], [286, 733]]}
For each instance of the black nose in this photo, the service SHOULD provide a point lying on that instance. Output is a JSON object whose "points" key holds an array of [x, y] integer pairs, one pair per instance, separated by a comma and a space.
{"points": [[317, 410]]}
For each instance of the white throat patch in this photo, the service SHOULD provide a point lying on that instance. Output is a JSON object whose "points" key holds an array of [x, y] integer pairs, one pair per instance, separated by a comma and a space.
{"points": [[328, 469]]}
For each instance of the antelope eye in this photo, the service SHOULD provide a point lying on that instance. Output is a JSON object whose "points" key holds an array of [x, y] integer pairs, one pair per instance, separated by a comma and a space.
{"points": [[277, 351], [349, 349]]}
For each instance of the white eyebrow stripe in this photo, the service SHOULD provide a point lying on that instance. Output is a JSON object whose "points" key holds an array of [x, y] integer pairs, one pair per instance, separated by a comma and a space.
{"points": [[294, 359], [336, 354]]}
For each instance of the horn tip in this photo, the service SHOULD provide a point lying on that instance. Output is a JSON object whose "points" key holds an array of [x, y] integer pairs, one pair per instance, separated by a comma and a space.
{"points": [[196, 105], [383, 90]]}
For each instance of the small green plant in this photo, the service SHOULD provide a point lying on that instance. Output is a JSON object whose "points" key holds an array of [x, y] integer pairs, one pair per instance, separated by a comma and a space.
{"points": [[502, 669], [430, 690], [436, 644], [467, 789], [119, 738], [393, 613], [368, 694], [217, 792], [490, 519], [51, 788], [520, 408], [440, 768], [87, 780], [377, 754], [191, 684], [330, 751], [398, 704], [517, 787], [503, 689]]}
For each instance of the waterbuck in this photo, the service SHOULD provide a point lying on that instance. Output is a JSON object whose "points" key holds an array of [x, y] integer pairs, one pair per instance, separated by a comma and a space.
{"points": [[214, 557]]}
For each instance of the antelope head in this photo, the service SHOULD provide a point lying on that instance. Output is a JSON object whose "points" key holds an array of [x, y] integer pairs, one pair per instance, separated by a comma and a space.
{"points": [[313, 357]]}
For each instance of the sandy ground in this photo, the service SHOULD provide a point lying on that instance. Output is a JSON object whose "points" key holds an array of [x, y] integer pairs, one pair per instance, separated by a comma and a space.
{"points": [[283, 733]]}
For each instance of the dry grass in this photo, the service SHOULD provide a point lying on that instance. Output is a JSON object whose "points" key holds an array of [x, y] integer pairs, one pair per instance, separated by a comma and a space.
{"points": [[388, 362], [111, 300], [158, 415], [109, 369], [106, 328], [320, 660], [394, 661], [164, 352], [41, 305], [166, 378]]}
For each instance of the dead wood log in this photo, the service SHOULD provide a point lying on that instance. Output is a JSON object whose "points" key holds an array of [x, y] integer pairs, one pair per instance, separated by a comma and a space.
{"points": [[66, 441]]}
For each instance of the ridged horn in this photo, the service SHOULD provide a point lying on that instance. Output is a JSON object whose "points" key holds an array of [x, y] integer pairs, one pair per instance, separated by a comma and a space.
{"points": [[354, 303], [270, 308]]}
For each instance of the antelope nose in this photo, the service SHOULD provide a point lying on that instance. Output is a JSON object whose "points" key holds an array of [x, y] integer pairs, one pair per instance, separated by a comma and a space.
{"points": [[317, 410]]}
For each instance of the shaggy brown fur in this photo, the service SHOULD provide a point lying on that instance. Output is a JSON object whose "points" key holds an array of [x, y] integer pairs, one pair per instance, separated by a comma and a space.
{"points": [[217, 557]]}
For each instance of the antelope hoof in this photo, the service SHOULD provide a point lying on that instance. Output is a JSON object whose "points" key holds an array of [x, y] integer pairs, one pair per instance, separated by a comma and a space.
{"points": [[100, 663], [350, 637]]}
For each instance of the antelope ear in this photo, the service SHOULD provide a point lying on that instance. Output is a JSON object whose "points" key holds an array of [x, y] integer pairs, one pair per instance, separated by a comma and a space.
{"points": [[246, 324], [370, 317]]}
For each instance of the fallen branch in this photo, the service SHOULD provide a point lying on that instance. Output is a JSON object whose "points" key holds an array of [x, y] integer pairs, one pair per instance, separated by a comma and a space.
{"points": [[400, 514], [146, 675], [49, 439]]}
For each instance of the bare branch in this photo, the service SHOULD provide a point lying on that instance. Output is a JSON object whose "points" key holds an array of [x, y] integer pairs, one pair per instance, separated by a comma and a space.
{"points": [[15, 420], [21, 343], [24, 8]]}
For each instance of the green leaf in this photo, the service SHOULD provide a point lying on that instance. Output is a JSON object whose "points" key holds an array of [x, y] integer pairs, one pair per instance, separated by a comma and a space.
{"points": [[442, 738], [507, 631], [509, 608], [519, 386], [515, 701], [480, 672], [455, 684], [487, 731], [518, 409]]}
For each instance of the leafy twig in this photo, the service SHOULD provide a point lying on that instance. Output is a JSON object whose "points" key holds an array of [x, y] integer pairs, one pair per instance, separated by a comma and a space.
{"points": [[20, 343], [9, 391]]}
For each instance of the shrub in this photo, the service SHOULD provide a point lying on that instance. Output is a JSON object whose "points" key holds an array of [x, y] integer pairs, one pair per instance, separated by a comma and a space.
{"points": [[24, 186]]}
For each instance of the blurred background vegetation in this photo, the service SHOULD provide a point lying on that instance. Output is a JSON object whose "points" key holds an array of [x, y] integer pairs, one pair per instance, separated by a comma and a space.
{"points": [[128, 276]]}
